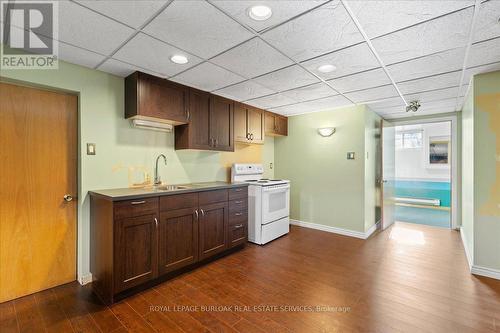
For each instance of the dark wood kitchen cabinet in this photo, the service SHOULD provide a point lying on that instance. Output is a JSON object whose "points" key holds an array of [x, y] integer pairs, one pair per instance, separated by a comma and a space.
{"points": [[142, 241], [177, 239], [148, 96], [135, 251], [248, 124], [275, 124], [211, 123], [213, 229]]}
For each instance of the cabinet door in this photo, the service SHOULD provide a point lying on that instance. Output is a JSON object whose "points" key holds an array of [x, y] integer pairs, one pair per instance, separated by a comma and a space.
{"points": [[135, 253], [222, 123], [213, 229], [199, 109], [255, 124], [240, 123], [281, 125], [270, 125], [162, 99], [177, 239]]}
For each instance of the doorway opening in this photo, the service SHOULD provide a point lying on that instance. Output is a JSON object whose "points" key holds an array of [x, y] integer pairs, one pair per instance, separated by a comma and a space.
{"points": [[422, 180]]}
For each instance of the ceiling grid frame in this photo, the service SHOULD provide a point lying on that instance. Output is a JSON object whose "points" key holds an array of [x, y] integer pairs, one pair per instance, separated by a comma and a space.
{"points": [[258, 35], [372, 48]]}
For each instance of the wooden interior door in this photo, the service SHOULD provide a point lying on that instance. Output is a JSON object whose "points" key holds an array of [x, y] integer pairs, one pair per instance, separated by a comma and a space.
{"points": [[213, 229], [177, 239], [38, 139]]}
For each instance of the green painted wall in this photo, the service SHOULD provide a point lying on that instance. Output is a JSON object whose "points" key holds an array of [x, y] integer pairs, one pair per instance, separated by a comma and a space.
{"points": [[487, 170], [121, 149], [326, 188]]}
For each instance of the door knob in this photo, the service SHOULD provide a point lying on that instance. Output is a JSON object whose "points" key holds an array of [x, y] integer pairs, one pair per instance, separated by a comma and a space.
{"points": [[68, 197]]}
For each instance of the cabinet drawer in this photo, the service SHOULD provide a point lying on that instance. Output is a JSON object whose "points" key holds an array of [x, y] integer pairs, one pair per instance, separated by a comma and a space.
{"points": [[237, 234], [136, 207], [238, 217], [178, 201], [238, 205], [209, 197], [238, 192]]}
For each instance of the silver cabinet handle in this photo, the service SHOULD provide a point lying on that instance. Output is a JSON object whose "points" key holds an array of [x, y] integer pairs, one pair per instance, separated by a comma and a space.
{"points": [[138, 202], [68, 197], [156, 223], [202, 212], [251, 136], [238, 189], [216, 142], [238, 202], [238, 214], [196, 213], [248, 136], [238, 226]]}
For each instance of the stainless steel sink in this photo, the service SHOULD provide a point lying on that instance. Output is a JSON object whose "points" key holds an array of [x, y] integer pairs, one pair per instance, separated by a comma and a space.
{"points": [[172, 187]]}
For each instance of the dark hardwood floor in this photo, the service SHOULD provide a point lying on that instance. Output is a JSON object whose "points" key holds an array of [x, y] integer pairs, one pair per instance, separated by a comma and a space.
{"points": [[410, 278]]}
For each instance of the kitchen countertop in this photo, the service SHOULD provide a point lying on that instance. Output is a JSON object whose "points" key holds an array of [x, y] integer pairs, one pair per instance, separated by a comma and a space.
{"points": [[145, 192]]}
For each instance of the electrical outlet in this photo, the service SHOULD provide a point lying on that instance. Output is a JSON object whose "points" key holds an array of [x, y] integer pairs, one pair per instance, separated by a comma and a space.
{"points": [[270, 166]]}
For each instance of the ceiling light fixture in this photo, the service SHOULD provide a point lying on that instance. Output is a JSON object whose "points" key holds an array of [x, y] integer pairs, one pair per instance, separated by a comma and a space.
{"points": [[327, 68], [260, 12], [326, 131], [179, 59]]}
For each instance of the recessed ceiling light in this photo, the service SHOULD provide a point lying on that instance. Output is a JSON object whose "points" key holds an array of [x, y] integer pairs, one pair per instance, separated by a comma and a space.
{"points": [[179, 59], [260, 12], [327, 68]]}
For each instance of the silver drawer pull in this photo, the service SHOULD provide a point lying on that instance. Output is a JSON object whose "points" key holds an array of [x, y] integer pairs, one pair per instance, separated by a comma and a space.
{"points": [[238, 226], [238, 214], [238, 202], [238, 189], [138, 202]]}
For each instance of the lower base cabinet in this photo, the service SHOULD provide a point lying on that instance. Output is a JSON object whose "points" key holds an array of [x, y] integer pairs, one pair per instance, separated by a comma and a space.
{"points": [[134, 242]]}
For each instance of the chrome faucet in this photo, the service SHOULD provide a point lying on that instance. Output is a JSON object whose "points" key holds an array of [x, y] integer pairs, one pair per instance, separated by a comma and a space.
{"points": [[157, 180]]}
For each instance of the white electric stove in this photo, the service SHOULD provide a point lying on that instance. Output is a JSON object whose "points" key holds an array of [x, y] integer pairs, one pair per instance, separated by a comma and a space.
{"points": [[268, 203]]}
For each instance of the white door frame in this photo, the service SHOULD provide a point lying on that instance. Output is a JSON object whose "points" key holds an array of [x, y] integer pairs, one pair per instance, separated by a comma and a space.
{"points": [[454, 157]]}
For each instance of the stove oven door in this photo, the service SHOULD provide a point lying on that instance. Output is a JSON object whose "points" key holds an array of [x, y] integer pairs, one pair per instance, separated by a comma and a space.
{"points": [[275, 202]]}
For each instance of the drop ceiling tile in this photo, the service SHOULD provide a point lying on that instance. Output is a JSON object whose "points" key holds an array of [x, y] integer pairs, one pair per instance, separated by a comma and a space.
{"points": [[324, 104], [252, 58], [282, 10], [86, 29], [364, 80], [79, 56], [430, 83], [320, 31], [448, 32], [350, 60], [314, 91], [207, 76], [487, 25], [387, 104], [122, 69], [381, 17], [244, 90], [271, 101], [433, 95], [372, 94], [132, 13], [150, 53], [287, 78], [470, 72], [197, 27], [439, 63], [484, 53]]}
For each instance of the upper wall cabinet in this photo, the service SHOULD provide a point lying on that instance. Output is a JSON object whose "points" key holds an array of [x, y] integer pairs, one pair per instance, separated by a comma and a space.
{"points": [[248, 124], [148, 96], [210, 126], [276, 125]]}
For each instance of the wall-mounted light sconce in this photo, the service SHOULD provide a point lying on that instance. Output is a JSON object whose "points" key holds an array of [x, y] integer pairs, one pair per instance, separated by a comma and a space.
{"points": [[326, 131]]}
